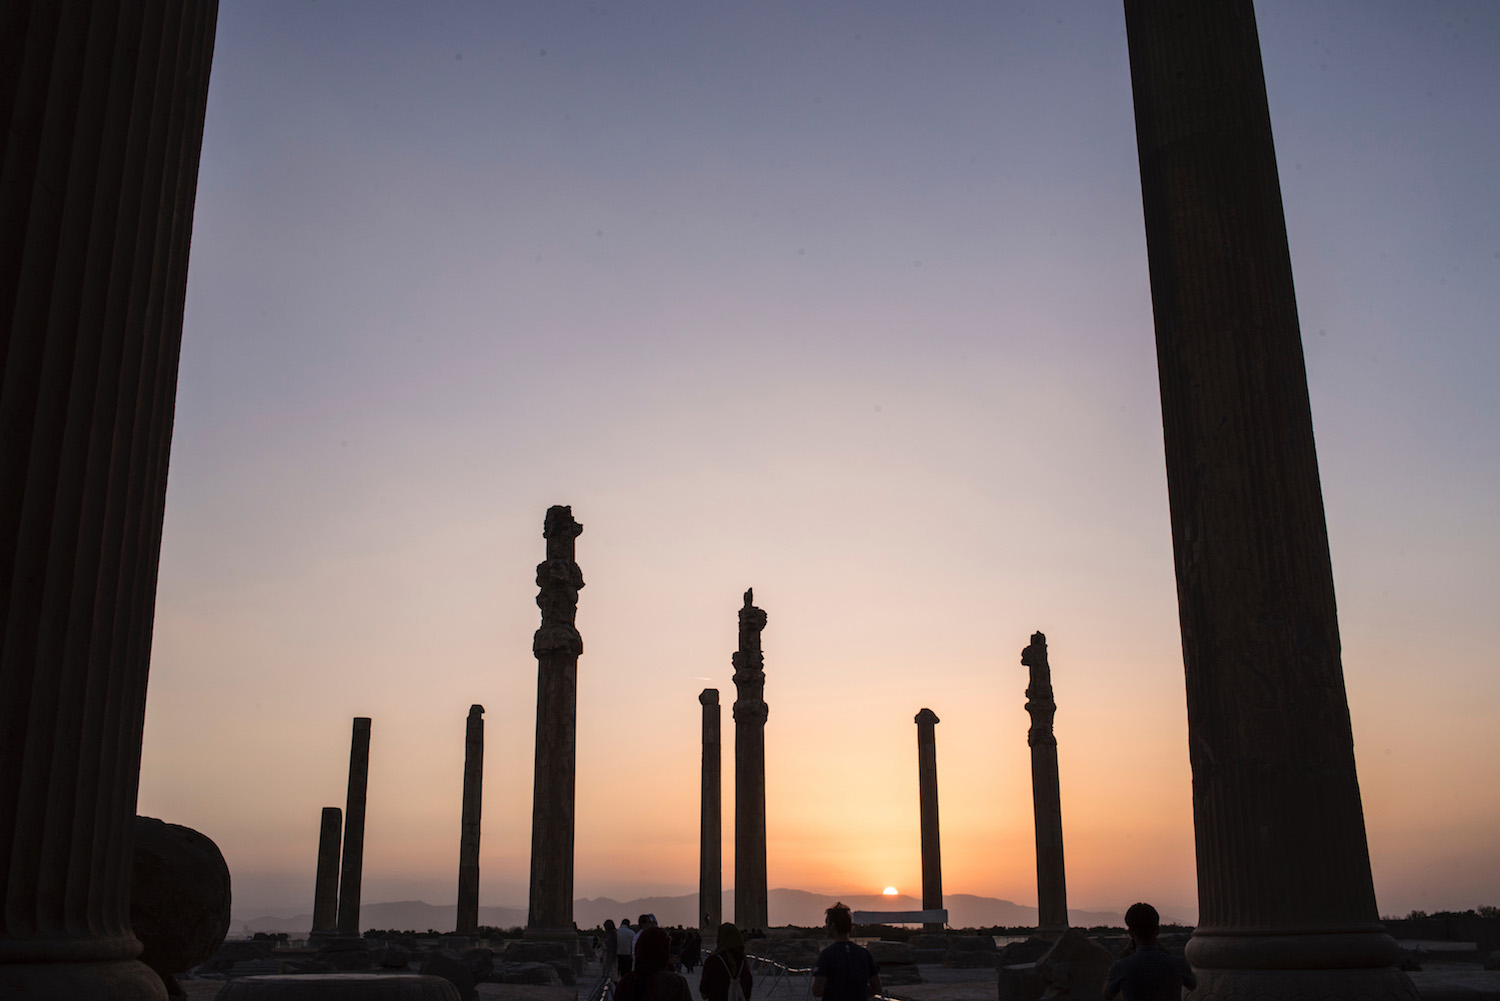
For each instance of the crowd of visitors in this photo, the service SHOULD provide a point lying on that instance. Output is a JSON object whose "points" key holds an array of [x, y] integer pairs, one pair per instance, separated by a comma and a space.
{"points": [[645, 962]]}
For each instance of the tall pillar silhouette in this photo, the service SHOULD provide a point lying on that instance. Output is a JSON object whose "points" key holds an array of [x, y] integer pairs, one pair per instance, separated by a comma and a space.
{"points": [[1286, 901], [354, 827], [468, 840], [101, 123], [927, 795], [751, 904], [557, 646], [1046, 790], [711, 822], [326, 894]]}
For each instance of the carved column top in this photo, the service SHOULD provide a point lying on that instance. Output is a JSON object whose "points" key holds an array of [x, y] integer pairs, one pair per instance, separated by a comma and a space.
{"points": [[559, 529], [749, 674], [926, 718], [709, 697], [559, 580], [1039, 701]]}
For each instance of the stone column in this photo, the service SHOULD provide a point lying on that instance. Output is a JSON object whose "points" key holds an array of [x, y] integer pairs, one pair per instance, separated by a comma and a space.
{"points": [[1284, 887], [354, 827], [932, 852], [751, 905], [557, 646], [468, 839], [326, 896], [711, 829], [101, 122], [1046, 791]]}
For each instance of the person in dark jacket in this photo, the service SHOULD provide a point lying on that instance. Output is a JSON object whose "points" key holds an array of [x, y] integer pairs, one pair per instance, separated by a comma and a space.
{"points": [[727, 964], [845, 971], [1147, 973], [652, 978]]}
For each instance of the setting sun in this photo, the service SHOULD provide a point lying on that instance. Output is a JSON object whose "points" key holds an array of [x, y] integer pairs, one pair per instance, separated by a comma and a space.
{"points": [[889, 891]]}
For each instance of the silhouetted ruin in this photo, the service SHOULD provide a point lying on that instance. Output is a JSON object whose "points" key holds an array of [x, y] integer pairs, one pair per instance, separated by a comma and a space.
{"points": [[711, 824], [927, 796], [354, 827], [557, 646], [1046, 790], [326, 890], [101, 124], [1287, 905], [468, 839], [751, 906]]}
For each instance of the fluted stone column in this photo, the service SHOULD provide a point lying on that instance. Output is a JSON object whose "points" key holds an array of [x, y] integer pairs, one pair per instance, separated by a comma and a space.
{"points": [[1284, 887], [1046, 790], [751, 904], [326, 897], [557, 646], [711, 822], [468, 840], [101, 122], [354, 827], [932, 852]]}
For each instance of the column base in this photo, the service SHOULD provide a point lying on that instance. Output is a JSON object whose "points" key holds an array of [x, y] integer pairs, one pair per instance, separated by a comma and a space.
{"points": [[568, 937], [1387, 984], [1357, 948], [115, 980]]}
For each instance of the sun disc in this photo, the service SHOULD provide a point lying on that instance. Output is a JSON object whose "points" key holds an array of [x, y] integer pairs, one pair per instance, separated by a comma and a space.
{"points": [[890, 891]]}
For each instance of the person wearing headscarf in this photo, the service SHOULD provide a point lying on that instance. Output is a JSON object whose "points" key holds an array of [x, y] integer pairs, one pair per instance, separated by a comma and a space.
{"points": [[652, 978], [725, 966]]}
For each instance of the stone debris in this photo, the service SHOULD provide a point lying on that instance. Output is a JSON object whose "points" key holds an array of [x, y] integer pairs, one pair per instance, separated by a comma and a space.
{"points": [[179, 898]]}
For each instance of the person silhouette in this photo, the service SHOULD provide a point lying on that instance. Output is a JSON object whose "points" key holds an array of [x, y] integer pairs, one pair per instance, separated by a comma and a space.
{"points": [[1148, 972]]}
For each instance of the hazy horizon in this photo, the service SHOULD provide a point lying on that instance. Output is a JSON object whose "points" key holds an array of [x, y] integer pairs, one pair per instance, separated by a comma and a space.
{"points": [[846, 303]]}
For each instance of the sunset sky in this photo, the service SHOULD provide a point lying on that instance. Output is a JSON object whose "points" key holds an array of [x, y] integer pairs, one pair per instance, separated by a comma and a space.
{"points": [[847, 302]]}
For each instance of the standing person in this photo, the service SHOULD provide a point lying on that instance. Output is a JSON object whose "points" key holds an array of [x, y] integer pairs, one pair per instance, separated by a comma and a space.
{"points": [[725, 966], [611, 947], [1148, 973], [652, 979], [691, 949], [624, 948], [844, 971]]}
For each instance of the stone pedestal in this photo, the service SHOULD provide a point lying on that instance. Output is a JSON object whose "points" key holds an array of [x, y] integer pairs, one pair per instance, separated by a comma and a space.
{"points": [[557, 646], [751, 903], [1046, 790], [468, 841], [932, 854], [1286, 902], [354, 828], [711, 831], [101, 121], [326, 894]]}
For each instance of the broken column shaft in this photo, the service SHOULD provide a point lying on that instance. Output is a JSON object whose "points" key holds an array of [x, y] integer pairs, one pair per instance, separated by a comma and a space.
{"points": [[326, 893], [557, 646], [711, 822], [354, 827], [468, 839], [927, 794], [1046, 792]]}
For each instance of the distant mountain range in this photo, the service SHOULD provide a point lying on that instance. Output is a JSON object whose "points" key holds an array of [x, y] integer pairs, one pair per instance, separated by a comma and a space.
{"points": [[788, 907]]}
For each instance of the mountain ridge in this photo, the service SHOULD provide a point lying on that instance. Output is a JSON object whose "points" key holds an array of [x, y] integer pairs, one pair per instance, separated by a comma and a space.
{"points": [[788, 906]]}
